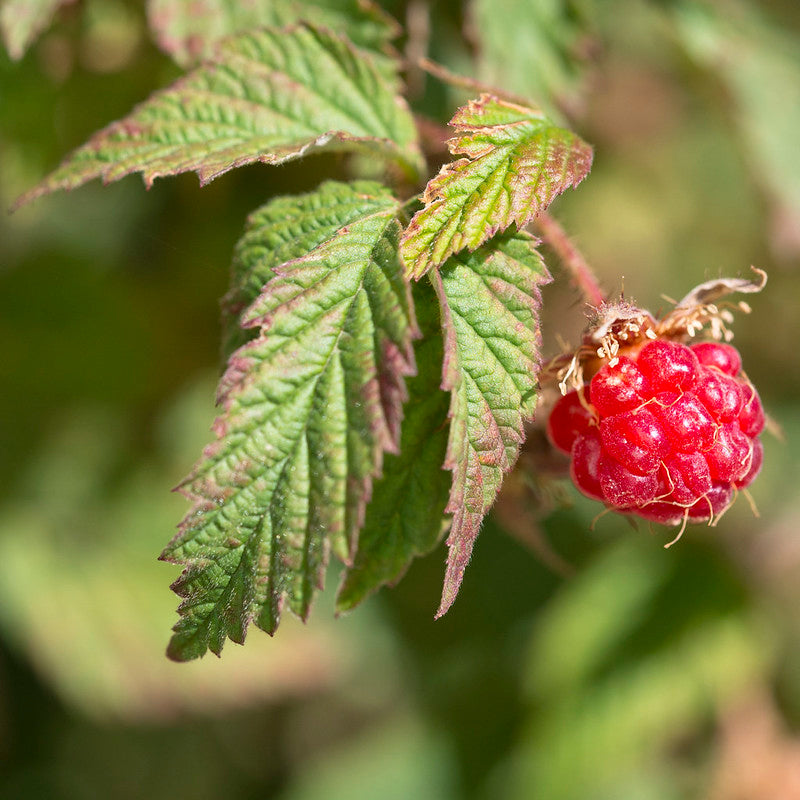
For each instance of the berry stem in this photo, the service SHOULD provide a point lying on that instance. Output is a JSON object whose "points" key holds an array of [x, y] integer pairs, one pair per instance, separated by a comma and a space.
{"points": [[572, 258]]}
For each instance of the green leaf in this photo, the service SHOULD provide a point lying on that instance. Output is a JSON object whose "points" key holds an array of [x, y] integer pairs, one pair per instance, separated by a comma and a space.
{"points": [[309, 407], [405, 517], [490, 305], [517, 162], [21, 21], [283, 229], [189, 31], [267, 96]]}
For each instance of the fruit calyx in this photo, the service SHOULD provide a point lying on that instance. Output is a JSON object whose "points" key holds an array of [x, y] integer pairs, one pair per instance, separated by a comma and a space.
{"points": [[621, 329]]}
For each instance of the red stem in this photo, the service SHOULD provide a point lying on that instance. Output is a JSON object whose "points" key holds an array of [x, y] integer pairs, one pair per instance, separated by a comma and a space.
{"points": [[571, 258]]}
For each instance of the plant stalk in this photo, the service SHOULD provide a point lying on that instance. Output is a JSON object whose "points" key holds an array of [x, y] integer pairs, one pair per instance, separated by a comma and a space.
{"points": [[582, 275]]}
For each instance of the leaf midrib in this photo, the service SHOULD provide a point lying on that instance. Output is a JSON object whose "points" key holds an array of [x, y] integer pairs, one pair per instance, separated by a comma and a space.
{"points": [[309, 386], [313, 91]]}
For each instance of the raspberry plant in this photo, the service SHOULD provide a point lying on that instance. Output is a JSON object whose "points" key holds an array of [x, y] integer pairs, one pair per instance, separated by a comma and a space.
{"points": [[668, 433], [352, 305]]}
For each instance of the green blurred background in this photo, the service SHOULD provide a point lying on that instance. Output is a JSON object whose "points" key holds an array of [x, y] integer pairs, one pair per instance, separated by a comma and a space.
{"points": [[635, 672]]}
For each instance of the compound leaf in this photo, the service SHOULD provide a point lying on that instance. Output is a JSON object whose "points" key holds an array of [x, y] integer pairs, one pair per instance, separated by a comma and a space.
{"points": [[490, 306], [517, 162], [21, 21], [267, 96], [309, 407], [189, 31], [405, 517]]}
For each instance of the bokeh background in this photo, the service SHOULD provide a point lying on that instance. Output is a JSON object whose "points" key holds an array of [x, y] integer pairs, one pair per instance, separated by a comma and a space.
{"points": [[580, 661]]}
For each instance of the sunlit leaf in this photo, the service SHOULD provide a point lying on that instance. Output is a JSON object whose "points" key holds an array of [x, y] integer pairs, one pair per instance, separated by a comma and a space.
{"points": [[283, 229], [517, 162], [490, 305], [309, 407], [268, 96], [405, 517], [189, 31]]}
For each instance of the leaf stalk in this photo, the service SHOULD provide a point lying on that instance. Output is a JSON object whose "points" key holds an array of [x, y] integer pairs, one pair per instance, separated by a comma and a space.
{"points": [[582, 274]]}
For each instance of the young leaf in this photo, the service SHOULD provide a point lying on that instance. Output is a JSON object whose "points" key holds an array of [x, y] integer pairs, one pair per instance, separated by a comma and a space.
{"points": [[309, 407], [405, 517], [490, 306], [189, 31], [266, 96], [517, 162], [21, 21], [283, 229]]}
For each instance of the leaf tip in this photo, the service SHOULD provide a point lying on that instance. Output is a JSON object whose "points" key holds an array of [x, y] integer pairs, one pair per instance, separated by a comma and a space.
{"points": [[177, 654], [26, 198], [454, 575], [183, 648], [444, 607]]}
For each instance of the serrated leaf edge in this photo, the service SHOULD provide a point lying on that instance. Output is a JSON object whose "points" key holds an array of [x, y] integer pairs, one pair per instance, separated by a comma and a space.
{"points": [[332, 139], [404, 366], [459, 546], [433, 196]]}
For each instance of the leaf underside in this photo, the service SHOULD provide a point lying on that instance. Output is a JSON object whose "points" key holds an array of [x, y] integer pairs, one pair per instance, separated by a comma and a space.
{"points": [[517, 161], [490, 303], [405, 517], [309, 407], [267, 96], [189, 31], [21, 21]]}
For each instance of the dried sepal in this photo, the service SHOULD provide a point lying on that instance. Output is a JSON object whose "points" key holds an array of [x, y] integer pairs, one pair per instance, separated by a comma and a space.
{"points": [[621, 328], [699, 309]]}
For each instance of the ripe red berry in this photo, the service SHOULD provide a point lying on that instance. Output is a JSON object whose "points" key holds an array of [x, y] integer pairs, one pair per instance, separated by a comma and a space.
{"points": [[688, 425], [751, 417], [668, 433], [622, 387], [669, 365], [636, 439], [720, 394], [570, 418], [716, 354], [586, 452]]}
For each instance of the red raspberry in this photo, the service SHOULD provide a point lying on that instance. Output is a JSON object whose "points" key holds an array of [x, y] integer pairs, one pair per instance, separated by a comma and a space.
{"points": [[569, 418], [635, 438], [668, 433], [619, 388], [586, 452], [722, 356]]}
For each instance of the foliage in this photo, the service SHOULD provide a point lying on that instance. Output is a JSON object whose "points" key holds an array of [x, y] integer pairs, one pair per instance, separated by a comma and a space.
{"points": [[314, 399], [581, 660], [517, 162], [189, 33], [310, 405], [267, 96], [490, 306]]}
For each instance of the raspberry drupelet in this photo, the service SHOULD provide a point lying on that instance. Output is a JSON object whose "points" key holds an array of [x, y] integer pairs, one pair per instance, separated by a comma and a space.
{"points": [[668, 433]]}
